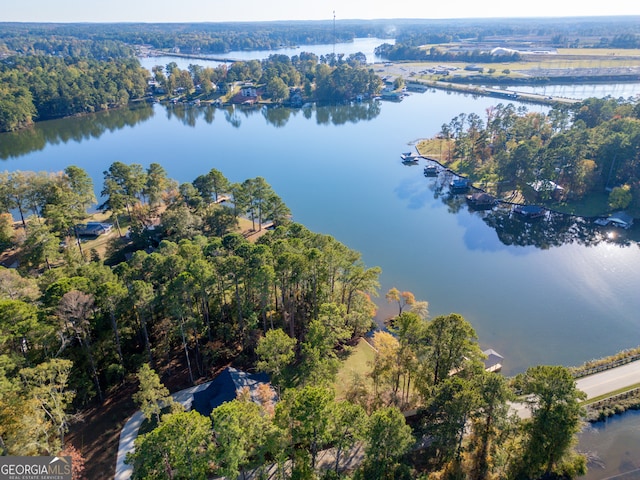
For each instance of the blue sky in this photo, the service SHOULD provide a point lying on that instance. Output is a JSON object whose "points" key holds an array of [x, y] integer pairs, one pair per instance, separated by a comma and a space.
{"points": [[254, 10]]}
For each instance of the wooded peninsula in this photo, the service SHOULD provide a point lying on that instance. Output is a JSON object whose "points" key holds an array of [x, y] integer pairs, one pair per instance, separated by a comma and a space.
{"points": [[198, 283]]}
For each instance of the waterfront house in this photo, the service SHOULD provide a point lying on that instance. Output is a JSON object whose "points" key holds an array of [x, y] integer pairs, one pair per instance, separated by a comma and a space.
{"points": [[93, 229], [459, 185], [249, 90], [547, 187], [530, 211]]}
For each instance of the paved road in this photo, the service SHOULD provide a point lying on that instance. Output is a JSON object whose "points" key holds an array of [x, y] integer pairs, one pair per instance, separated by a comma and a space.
{"points": [[610, 380], [598, 384]]}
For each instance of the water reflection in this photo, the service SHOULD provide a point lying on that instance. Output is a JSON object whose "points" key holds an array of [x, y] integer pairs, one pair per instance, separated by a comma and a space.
{"points": [[613, 448], [341, 114], [276, 116], [551, 229], [77, 129]]}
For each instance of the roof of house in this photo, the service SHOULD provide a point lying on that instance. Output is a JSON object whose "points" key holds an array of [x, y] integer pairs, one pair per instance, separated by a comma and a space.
{"points": [[93, 228], [545, 186], [493, 358], [481, 197], [225, 387], [622, 217]]}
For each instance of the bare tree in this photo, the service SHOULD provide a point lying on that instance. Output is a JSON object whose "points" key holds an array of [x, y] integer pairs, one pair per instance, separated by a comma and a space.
{"points": [[75, 309]]}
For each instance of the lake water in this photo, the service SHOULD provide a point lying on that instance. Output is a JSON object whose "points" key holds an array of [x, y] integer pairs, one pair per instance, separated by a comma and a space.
{"points": [[364, 45], [338, 168], [614, 446]]}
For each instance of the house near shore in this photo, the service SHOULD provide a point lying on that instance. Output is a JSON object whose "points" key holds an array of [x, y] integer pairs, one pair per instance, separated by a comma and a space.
{"points": [[530, 211], [541, 187], [249, 91], [93, 229], [228, 385], [481, 200], [493, 362]]}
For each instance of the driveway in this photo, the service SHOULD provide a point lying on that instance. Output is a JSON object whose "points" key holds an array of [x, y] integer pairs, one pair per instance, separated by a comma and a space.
{"points": [[130, 430]]}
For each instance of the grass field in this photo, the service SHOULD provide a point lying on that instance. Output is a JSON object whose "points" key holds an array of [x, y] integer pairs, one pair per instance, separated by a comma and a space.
{"points": [[358, 363], [566, 59]]}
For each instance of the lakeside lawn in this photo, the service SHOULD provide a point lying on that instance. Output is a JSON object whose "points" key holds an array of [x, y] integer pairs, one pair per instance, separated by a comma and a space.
{"points": [[357, 364]]}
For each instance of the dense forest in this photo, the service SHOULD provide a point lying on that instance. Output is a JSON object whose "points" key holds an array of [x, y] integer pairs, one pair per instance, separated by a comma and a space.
{"points": [[400, 51], [113, 39], [46, 87], [43, 87], [191, 281], [559, 158]]}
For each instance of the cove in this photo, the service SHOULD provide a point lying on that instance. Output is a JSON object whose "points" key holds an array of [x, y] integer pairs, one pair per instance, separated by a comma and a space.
{"points": [[536, 296], [613, 447]]}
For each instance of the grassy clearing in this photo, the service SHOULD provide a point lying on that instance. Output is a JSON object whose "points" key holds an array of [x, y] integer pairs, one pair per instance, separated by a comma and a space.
{"points": [[358, 363], [438, 148], [592, 205]]}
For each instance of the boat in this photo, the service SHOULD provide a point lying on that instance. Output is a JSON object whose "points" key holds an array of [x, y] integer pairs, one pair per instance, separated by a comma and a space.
{"points": [[459, 185], [431, 171], [409, 157]]}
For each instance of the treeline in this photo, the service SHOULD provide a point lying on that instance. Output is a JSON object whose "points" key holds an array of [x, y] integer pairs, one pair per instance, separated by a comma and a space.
{"points": [[400, 51], [43, 87], [114, 40], [330, 78], [589, 147], [575, 32], [62, 46], [628, 40]]}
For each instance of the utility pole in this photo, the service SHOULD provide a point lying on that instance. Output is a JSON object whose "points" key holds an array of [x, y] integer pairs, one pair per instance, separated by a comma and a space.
{"points": [[334, 33]]}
